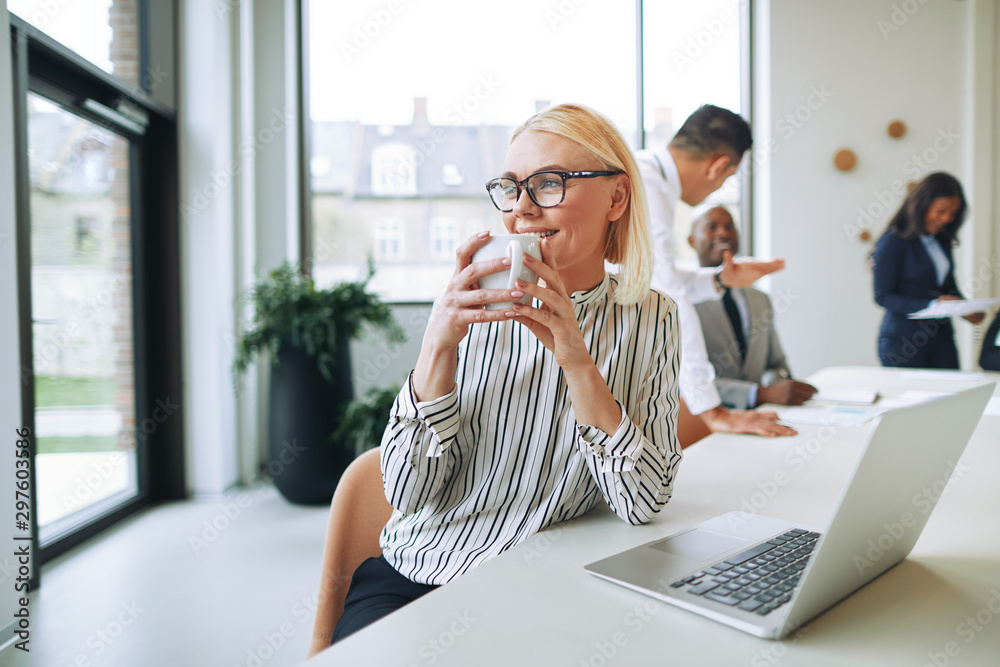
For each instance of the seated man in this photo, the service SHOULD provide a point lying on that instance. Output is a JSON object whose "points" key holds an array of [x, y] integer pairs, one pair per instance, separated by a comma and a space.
{"points": [[739, 330]]}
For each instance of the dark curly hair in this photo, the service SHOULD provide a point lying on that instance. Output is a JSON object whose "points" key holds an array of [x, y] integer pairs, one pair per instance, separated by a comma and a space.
{"points": [[911, 219]]}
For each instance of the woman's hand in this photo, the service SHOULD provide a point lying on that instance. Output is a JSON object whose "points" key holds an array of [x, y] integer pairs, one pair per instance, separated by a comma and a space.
{"points": [[554, 323], [556, 326], [461, 304], [975, 318]]}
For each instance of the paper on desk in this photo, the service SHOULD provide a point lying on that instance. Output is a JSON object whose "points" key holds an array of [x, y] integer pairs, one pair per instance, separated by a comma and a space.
{"points": [[908, 398], [833, 416], [927, 374], [993, 407], [852, 395], [952, 308]]}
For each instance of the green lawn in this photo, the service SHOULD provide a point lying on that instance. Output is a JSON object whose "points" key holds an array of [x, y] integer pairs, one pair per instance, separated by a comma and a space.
{"points": [[60, 390], [81, 443]]}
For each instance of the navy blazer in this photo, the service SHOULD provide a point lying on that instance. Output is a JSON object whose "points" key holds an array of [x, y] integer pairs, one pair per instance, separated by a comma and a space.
{"points": [[905, 281]]}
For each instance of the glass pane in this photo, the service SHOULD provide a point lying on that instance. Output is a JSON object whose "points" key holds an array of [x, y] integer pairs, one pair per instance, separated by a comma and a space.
{"points": [[692, 57], [105, 32], [81, 301], [399, 172]]}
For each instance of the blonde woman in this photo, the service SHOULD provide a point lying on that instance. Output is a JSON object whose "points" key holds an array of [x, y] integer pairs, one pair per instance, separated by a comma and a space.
{"points": [[514, 420]]}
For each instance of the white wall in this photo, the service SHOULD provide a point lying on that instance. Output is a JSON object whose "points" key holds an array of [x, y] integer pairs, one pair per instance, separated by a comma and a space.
{"points": [[239, 202], [273, 214], [10, 391], [162, 68], [833, 75], [209, 166]]}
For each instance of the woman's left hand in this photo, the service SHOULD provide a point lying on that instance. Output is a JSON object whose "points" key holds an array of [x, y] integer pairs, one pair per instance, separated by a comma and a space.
{"points": [[554, 323], [975, 318]]}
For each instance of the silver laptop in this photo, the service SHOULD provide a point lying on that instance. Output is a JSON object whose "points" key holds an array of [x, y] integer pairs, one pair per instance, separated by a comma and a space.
{"points": [[767, 577]]}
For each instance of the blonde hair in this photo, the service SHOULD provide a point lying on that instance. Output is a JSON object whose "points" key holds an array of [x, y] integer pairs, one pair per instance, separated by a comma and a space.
{"points": [[628, 240]]}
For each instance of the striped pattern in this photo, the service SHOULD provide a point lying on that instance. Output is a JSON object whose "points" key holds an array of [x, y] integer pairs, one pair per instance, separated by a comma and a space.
{"points": [[475, 472]]}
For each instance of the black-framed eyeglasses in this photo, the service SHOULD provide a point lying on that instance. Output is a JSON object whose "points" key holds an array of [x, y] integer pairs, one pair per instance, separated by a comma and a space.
{"points": [[546, 188]]}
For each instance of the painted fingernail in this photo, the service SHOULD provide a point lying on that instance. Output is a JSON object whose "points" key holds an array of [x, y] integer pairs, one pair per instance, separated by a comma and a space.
{"points": [[529, 258], [511, 313], [505, 261], [520, 283], [516, 294], [484, 234]]}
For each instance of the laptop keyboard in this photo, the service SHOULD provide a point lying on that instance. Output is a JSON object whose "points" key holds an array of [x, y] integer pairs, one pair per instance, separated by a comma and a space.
{"points": [[760, 579]]}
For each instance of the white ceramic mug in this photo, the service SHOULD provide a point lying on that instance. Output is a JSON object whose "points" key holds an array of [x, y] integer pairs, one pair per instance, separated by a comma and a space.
{"points": [[513, 246]]}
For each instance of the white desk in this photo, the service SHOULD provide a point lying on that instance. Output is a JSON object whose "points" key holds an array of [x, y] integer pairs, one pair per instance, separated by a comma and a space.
{"points": [[535, 605]]}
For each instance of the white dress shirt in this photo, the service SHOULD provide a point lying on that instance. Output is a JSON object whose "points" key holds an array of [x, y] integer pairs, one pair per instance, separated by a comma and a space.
{"points": [[474, 472], [663, 190], [938, 257]]}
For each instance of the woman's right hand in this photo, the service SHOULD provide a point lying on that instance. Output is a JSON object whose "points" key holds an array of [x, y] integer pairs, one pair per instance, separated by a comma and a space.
{"points": [[462, 303]]}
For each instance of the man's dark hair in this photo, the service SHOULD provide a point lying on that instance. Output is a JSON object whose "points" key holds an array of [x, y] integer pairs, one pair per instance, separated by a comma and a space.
{"points": [[711, 130]]}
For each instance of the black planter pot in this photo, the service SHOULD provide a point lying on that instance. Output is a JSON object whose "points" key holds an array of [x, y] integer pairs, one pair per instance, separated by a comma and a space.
{"points": [[304, 410]]}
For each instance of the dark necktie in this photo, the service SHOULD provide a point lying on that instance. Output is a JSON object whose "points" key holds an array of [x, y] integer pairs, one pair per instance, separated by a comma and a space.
{"points": [[736, 321]]}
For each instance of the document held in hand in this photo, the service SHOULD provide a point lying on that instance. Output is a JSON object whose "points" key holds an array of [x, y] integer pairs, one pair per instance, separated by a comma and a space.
{"points": [[954, 308]]}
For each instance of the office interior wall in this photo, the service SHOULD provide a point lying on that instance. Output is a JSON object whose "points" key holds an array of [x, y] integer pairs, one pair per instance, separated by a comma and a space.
{"points": [[239, 204], [10, 390], [272, 117], [208, 130], [832, 76], [275, 91], [995, 220], [252, 421], [160, 75], [979, 257]]}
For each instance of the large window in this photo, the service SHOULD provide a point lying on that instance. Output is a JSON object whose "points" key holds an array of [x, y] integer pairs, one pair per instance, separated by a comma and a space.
{"points": [[82, 334], [105, 32], [411, 109], [692, 56], [97, 234]]}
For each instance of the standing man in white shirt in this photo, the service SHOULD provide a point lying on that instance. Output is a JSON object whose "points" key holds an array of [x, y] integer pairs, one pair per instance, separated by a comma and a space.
{"points": [[706, 150]]}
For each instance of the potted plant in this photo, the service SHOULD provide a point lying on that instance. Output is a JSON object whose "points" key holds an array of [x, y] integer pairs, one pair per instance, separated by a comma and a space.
{"points": [[307, 334], [365, 418]]}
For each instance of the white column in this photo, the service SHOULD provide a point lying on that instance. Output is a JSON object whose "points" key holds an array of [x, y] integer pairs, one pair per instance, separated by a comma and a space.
{"points": [[272, 219], [239, 191], [208, 126], [978, 257], [276, 165]]}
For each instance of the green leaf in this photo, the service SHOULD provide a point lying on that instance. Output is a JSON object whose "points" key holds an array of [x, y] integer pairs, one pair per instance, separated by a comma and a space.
{"points": [[287, 304], [366, 417]]}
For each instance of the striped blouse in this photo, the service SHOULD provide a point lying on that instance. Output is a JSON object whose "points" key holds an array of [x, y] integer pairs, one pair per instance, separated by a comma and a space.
{"points": [[475, 472]]}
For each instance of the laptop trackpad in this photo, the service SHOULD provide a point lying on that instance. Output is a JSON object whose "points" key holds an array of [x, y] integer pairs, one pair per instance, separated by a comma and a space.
{"points": [[698, 544]]}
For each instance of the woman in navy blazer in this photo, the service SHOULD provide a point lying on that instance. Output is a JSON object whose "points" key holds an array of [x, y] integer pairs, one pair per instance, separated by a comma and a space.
{"points": [[913, 267]]}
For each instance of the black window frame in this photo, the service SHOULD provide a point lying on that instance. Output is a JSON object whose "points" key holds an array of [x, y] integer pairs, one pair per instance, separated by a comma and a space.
{"points": [[43, 66]]}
